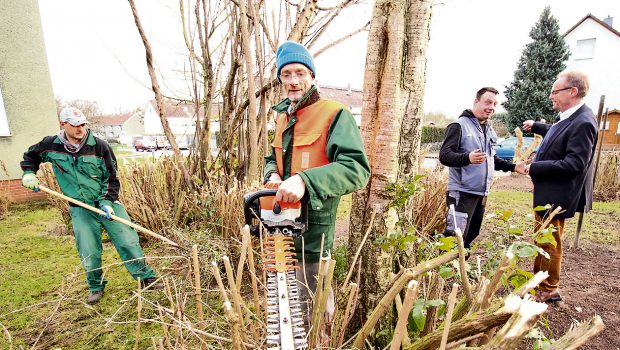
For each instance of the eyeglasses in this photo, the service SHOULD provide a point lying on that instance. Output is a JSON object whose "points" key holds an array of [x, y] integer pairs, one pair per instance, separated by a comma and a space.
{"points": [[288, 77], [555, 92]]}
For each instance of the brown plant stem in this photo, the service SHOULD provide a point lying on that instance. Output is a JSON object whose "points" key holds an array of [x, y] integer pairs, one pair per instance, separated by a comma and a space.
{"points": [[400, 332], [447, 323]]}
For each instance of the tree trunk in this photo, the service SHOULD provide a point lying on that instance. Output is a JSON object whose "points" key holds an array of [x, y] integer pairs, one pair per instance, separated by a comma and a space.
{"points": [[252, 144], [383, 111]]}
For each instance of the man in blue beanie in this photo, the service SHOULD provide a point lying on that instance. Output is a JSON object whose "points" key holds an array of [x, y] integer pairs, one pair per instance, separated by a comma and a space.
{"points": [[317, 152]]}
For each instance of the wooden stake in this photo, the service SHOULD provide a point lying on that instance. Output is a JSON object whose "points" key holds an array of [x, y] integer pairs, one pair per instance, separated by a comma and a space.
{"points": [[403, 317], [464, 276], [446, 328], [198, 288], [257, 304]]}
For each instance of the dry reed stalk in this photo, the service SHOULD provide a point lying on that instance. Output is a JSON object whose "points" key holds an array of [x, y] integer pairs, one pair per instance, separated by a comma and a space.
{"points": [[400, 332], [256, 299], [347, 314], [218, 278], [359, 249], [509, 336], [464, 276], [234, 293], [236, 326], [326, 287], [244, 251], [455, 344], [436, 288], [315, 319], [579, 335], [447, 323], [481, 290], [399, 306], [497, 277], [139, 313], [198, 289], [386, 301]]}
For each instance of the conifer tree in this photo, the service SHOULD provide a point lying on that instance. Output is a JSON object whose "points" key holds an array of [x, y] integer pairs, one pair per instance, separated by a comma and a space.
{"points": [[541, 61]]}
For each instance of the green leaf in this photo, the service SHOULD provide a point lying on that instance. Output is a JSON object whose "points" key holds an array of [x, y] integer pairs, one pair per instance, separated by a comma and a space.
{"points": [[525, 251], [446, 272], [513, 230], [542, 207], [417, 317], [446, 243], [504, 215]]}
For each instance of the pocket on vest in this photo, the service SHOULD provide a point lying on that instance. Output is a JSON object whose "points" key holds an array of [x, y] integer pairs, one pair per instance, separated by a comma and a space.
{"points": [[306, 153]]}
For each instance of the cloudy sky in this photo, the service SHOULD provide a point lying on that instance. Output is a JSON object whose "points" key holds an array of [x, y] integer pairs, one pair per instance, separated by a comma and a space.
{"points": [[95, 52]]}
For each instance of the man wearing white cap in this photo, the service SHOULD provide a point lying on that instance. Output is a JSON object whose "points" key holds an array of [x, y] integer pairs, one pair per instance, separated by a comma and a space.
{"points": [[85, 168]]}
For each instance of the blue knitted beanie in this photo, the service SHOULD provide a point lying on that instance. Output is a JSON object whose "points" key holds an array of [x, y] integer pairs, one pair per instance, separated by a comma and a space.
{"points": [[292, 52]]}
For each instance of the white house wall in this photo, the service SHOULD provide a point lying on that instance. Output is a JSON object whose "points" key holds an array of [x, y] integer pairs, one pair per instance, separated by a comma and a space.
{"points": [[602, 69]]}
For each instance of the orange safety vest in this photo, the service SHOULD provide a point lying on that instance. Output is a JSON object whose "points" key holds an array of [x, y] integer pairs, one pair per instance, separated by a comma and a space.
{"points": [[309, 136]]}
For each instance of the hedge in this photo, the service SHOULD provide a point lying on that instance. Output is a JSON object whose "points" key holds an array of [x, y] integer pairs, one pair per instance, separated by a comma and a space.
{"points": [[432, 133]]}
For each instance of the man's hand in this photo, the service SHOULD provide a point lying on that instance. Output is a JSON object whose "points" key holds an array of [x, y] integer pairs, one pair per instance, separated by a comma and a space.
{"points": [[30, 181], [291, 190], [527, 125], [477, 157], [527, 169], [521, 167], [109, 211]]}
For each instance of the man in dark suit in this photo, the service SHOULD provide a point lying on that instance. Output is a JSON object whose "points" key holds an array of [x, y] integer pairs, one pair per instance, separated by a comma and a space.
{"points": [[562, 171]]}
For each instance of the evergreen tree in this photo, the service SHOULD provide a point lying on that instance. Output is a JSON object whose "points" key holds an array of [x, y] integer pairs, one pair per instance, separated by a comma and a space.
{"points": [[539, 65]]}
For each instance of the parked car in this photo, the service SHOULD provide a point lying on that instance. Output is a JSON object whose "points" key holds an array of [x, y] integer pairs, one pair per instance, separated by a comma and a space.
{"points": [[506, 149], [144, 145]]}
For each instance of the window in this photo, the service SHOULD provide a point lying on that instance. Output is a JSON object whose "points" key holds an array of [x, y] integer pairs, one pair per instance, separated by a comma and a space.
{"points": [[618, 129], [585, 49], [4, 122], [606, 127]]}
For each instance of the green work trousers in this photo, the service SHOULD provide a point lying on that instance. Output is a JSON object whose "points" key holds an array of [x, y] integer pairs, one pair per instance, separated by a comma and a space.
{"points": [[87, 230]]}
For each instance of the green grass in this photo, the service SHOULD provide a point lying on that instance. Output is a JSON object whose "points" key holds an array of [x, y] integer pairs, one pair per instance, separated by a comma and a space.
{"points": [[37, 267], [601, 225]]}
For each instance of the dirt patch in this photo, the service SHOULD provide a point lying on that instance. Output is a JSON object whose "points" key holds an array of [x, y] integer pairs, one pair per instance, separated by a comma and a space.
{"points": [[590, 285], [513, 182]]}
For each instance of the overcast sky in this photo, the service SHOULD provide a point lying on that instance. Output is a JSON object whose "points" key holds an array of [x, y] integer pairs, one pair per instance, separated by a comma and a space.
{"points": [[95, 53]]}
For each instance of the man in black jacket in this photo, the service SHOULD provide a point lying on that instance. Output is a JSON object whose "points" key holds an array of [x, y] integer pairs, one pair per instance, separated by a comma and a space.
{"points": [[469, 150], [562, 171]]}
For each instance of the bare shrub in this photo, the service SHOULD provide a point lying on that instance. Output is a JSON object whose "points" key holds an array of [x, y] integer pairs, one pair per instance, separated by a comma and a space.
{"points": [[607, 183], [428, 207], [48, 179]]}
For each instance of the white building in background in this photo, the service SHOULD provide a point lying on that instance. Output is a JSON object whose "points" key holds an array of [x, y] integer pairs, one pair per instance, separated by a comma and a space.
{"points": [[595, 50]]}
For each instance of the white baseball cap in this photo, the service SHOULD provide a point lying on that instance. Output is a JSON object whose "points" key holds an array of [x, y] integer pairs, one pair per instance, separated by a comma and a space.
{"points": [[73, 116]]}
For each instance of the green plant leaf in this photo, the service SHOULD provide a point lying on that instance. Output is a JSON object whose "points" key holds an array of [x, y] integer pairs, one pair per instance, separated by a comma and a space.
{"points": [[446, 272], [513, 230], [446, 243], [542, 207]]}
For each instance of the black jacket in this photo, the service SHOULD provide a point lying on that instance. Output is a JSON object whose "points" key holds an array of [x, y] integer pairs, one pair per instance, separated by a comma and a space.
{"points": [[562, 173]]}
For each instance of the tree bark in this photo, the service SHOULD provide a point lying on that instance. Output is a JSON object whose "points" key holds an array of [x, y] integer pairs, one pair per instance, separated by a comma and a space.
{"points": [[383, 114]]}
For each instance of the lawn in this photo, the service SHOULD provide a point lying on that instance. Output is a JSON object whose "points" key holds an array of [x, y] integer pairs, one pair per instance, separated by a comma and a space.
{"points": [[40, 267]]}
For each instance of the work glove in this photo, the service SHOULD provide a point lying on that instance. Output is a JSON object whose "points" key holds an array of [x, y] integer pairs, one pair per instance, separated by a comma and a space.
{"points": [[106, 206], [29, 180]]}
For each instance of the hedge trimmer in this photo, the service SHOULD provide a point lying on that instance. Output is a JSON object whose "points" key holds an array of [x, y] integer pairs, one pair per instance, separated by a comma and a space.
{"points": [[281, 222]]}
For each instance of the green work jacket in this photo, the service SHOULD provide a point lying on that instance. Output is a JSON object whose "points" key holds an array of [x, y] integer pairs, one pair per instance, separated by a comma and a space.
{"points": [[347, 172], [88, 175]]}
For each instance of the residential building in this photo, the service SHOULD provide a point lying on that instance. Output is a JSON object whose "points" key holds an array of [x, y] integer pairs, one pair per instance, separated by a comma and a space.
{"points": [[119, 128], [611, 136], [595, 50], [27, 105]]}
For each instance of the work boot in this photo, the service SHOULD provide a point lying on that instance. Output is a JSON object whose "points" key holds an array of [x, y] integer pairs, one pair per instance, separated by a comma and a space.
{"points": [[94, 297], [151, 284]]}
